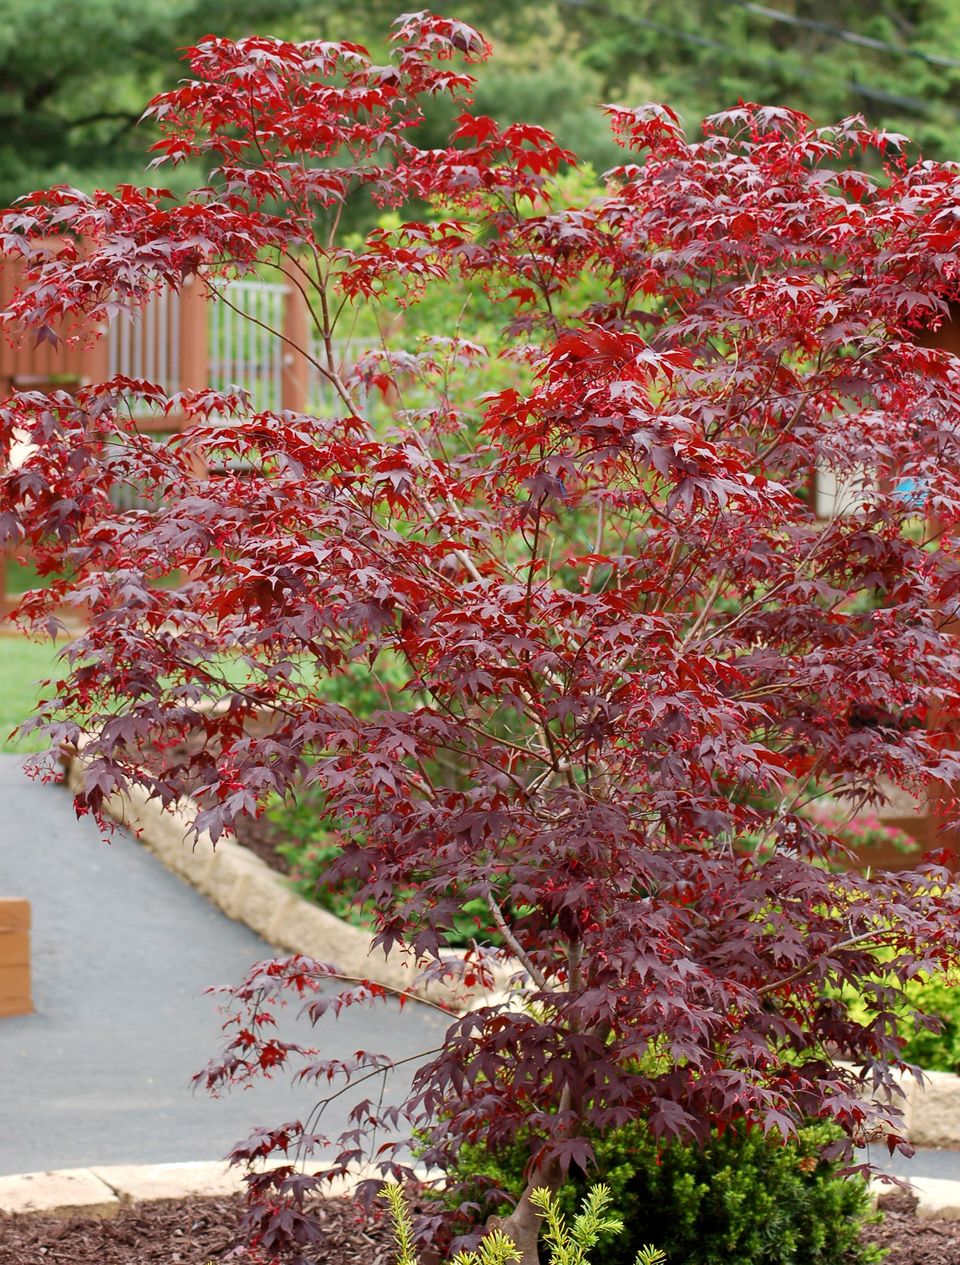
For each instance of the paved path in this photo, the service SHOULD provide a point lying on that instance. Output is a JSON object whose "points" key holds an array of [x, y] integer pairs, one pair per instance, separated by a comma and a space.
{"points": [[122, 951], [926, 1163]]}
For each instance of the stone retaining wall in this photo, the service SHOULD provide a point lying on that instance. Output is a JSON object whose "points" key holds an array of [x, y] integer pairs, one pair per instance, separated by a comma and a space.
{"points": [[249, 891]]}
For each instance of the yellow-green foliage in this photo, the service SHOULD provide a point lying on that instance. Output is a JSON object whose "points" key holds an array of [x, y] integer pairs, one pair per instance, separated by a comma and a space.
{"points": [[568, 1242], [402, 1226], [939, 997], [927, 1016]]}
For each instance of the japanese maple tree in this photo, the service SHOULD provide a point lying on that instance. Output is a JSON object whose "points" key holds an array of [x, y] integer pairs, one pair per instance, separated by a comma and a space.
{"points": [[633, 653]]}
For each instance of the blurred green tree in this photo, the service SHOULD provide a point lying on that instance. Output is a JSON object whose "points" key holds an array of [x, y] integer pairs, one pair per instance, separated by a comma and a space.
{"points": [[895, 61], [74, 76]]}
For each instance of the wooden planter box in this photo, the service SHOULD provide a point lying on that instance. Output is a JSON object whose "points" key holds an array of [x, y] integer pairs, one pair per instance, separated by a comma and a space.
{"points": [[15, 958]]}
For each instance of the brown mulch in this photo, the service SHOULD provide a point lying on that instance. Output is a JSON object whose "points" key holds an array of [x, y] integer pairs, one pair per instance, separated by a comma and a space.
{"points": [[912, 1241], [196, 1231], [261, 836], [202, 1232]]}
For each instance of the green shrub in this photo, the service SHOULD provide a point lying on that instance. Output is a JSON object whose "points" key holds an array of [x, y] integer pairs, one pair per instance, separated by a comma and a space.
{"points": [[936, 997], [935, 1051], [741, 1200]]}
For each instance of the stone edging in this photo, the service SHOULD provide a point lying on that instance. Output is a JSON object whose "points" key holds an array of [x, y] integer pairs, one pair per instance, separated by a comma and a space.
{"points": [[936, 1196], [103, 1190], [932, 1111], [249, 891]]}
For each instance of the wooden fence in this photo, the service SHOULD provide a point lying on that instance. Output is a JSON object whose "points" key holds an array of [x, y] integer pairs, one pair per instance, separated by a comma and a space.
{"points": [[165, 343], [186, 341]]}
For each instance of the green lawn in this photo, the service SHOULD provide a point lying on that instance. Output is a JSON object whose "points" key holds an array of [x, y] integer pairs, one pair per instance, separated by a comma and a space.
{"points": [[21, 576], [22, 664]]}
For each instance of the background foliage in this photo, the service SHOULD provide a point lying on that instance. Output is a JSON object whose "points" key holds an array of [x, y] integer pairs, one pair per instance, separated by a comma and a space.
{"points": [[73, 77], [937, 1050]]}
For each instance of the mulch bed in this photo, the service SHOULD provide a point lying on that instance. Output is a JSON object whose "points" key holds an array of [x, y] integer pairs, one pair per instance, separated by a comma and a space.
{"points": [[178, 1232], [261, 836], [202, 1232], [913, 1241]]}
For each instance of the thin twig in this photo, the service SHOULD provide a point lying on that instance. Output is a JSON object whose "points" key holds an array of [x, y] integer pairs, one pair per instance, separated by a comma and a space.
{"points": [[798, 974], [518, 950]]}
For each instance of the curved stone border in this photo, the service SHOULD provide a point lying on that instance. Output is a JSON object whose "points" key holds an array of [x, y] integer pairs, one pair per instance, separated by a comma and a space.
{"points": [[936, 1197], [249, 891], [102, 1190], [932, 1110]]}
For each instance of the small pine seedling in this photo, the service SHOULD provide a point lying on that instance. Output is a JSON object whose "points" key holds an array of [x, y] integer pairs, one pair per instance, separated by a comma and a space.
{"points": [[568, 1244]]}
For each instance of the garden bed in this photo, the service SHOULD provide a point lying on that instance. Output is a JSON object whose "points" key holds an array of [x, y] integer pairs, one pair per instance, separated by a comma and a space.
{"points": [[262, 837], [191, 1231], [912, 1240], [196, 1231]]}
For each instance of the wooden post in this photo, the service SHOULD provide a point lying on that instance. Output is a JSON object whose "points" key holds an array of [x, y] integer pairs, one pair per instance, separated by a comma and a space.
{"points": [[194, 337], [939, 836], [945, 338], [93, 362], [946, 729], [295, 381], [15, 958]]}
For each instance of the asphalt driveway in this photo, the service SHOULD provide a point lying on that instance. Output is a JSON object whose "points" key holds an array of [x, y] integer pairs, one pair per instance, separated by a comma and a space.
{"points": [[122, 951]]}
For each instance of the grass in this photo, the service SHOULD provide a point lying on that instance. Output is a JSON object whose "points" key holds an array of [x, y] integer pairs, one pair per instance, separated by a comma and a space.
{"points": [[21, 576], [23, 664]]}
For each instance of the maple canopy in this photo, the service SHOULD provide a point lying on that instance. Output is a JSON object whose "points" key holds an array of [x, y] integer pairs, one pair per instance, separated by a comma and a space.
{"points": [[617, 654]]}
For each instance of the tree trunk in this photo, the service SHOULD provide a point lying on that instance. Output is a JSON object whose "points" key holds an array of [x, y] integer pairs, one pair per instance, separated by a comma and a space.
{"points": [[523, 1223]]}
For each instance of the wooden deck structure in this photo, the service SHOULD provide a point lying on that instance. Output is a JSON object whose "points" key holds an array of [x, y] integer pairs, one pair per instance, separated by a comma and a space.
{"points": [[181, 340], [166, 344]]}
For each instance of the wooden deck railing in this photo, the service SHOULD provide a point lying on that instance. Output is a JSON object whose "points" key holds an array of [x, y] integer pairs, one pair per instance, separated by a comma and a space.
{"points": [[191, 339], [184, 340]]}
